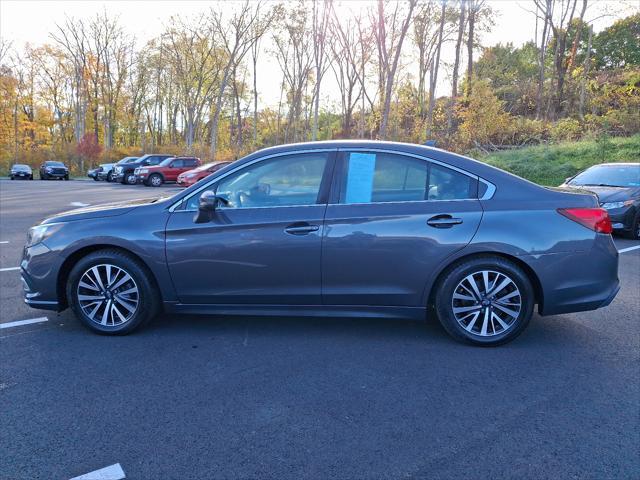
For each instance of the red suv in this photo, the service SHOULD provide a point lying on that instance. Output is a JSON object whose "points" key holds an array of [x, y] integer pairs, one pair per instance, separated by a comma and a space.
{"points": [[167, 171]]}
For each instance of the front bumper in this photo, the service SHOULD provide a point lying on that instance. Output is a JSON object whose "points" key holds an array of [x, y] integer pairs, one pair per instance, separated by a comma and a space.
{"points": [[39, 271], [21, 174]]}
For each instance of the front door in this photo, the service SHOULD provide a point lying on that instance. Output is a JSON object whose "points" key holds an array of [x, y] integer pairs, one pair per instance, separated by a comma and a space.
{"points": [[264, 246], [393, 219]]}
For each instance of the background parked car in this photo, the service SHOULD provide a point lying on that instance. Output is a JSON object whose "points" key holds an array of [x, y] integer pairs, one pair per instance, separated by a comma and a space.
{"points": [[101, 172], [190, 177], [124, 172], [51, 169], [21, 171], [167, 171], [618, 188]]}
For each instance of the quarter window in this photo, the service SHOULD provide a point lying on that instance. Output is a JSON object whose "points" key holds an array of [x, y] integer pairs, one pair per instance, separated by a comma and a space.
{"points": [[282, 181]]}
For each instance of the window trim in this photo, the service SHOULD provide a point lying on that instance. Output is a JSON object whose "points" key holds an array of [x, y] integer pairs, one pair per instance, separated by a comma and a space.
{"points": [[329, 167], [340, 172]]}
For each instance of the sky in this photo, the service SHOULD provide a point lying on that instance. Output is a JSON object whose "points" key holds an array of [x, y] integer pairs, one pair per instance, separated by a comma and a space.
{"points": [[31, 21]]}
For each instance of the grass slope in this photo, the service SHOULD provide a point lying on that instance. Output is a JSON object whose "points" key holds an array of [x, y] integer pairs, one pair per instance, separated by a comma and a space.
{"points": [[551, 164]]}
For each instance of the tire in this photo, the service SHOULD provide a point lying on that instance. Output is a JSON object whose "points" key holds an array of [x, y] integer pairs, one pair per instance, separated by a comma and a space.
{"points": [[31, 177], [155, 180], [132, 308], [95, 179], [43, 177], [66, 177], [12, 177], [129, 179], [478, 320], [634, 233], [110, 177]]}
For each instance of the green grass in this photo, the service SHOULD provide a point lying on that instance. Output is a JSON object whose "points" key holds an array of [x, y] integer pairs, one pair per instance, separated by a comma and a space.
{"points": [[552, 164]]}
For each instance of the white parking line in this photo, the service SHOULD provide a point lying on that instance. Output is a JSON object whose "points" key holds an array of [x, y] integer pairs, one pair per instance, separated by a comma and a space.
{"points": [[629, 249], [9, 269], [23, 322], [79, 204], [112, 472], [6, 241]]}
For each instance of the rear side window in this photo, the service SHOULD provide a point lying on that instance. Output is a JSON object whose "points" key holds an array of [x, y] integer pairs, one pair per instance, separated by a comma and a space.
{"points": [[390, 177], [177, 163], [190, 162], [448, 184]]}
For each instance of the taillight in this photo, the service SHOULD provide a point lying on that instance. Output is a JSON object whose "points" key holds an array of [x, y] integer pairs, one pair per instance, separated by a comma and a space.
{"points": [[596, 219]]}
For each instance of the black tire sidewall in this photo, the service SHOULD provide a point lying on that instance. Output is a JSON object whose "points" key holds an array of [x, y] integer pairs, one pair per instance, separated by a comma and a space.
{"points": [[126, 179], [149, 299], [451, 279]]}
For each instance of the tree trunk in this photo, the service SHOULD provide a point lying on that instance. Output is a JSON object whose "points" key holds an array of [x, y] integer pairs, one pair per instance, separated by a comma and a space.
{"points": [[470, 40], [585, 75], [433, 80], [456, 66], [541, 60]]}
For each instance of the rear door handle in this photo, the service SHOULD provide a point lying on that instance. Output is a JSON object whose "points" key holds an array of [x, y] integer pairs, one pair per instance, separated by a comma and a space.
{"points": [[443, 221], [301, 228]]}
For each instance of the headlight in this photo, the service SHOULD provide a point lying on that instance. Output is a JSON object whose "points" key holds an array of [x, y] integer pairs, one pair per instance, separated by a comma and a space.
{"points": [[118, 169], [39, 233], [612, 205], [49, 169], [142, 170]]}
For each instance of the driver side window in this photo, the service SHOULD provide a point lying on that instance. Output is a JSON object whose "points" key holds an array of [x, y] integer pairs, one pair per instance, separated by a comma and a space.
{"points": [[289, 180]]}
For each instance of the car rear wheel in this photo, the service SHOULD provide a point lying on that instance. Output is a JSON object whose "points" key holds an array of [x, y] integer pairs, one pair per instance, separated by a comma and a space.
{"points": [[486, 301], [155, 180], [111, 292], [12, 177]]}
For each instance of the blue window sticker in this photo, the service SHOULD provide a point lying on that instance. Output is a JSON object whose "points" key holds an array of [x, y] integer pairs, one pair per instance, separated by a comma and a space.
{"points": [[360, 177]]}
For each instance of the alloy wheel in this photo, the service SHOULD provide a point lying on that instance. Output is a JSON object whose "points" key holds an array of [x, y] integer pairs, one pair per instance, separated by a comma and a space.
{"points": [[131, 179], [156, 181], [108, 295], [486, 303]]}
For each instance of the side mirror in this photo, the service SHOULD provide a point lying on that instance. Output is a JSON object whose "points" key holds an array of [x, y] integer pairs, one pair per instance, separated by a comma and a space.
{"points": [[207, 206]]}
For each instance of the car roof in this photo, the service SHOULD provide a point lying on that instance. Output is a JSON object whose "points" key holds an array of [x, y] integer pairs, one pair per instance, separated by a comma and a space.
{"points": [[617, 164]]}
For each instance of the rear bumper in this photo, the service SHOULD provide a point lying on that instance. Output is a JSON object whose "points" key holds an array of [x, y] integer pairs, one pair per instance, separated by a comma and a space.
{"points": [[577, 282]]}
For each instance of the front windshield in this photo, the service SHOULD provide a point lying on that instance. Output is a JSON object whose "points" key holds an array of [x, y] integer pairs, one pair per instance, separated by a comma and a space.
{"points": [[127, 160], [609, 176], [21, 167], [166, 162], [55, 164]]}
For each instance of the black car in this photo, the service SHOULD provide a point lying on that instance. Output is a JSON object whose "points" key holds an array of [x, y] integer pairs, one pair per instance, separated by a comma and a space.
{"points": [[125, 172], [51, 169], [618, 188], [21, 171]]}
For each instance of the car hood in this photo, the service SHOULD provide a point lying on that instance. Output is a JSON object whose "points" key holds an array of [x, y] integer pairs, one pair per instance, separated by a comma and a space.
{"points": [[99, 211], [610, 194]]}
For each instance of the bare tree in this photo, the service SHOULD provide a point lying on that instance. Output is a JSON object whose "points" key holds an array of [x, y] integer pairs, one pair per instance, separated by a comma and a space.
{"points": [[237, 35], [456, 65], [390, 30], [433, 76], [321, 17]]}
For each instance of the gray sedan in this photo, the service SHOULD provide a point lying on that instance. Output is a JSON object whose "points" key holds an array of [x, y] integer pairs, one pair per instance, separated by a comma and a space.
{"points": [[340, 228]]}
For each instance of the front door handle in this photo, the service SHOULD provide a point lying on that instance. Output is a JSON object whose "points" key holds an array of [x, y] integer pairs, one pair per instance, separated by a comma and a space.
{"points": [[301, 228], [443, 221]]}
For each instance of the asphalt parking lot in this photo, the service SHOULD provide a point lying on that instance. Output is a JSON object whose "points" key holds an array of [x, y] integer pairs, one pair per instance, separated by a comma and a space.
{"points": [[216, 397]]}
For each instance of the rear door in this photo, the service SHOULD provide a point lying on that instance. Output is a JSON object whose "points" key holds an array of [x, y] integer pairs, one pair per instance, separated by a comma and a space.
{"points": [[393, 218]]}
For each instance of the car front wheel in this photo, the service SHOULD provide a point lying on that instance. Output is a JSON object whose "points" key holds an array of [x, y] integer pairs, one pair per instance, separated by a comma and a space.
{"points": [[111, 292], [109, 177], [485, 301], [155, 180], [130, 179]]}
